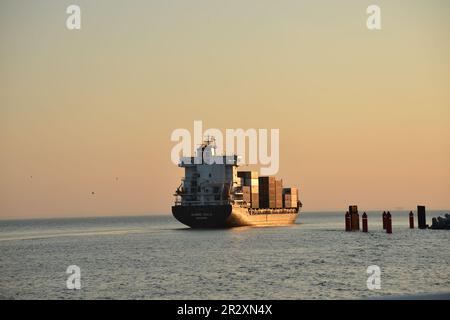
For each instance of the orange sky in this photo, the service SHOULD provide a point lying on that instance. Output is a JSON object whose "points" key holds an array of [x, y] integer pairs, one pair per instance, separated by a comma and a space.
{"points": [[364, 116]]}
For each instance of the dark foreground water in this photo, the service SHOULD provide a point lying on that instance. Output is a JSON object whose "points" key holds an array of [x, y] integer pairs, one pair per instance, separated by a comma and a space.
{"points": [[155, 257]]}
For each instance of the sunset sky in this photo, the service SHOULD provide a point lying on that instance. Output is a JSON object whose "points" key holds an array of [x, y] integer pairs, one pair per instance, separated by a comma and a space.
{"points": [[364, 116]]}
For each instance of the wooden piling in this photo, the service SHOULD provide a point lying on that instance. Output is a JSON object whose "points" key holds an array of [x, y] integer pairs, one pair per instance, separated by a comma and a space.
{"points": [[421, 217], [364, 222], [388, 222], [353, 210], [348, 222]]}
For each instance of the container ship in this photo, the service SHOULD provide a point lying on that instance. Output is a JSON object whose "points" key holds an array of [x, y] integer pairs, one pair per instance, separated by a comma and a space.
{"points": [[214, 194]]}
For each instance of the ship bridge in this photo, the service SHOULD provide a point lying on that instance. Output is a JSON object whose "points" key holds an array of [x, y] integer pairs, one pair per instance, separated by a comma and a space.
{"points": [[209, 178]]}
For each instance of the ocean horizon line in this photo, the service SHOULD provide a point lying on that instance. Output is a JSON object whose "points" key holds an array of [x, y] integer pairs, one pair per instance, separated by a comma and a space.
{"points": [[168, 214]]}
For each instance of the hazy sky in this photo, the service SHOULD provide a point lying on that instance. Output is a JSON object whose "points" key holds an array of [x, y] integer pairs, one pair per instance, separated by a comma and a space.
{"points": [[364, 116]]}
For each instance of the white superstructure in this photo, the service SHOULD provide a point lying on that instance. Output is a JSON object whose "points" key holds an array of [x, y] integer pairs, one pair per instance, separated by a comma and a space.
{"points": [[209, 178]]}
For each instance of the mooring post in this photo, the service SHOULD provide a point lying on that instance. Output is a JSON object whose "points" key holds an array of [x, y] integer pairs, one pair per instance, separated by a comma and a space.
{"points": [[348, 222], [421, 218], [411, 220], [353, 210], [364, 222], [388, 222]]}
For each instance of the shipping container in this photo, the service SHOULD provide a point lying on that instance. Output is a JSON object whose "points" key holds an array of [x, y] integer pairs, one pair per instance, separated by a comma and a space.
{"points": [[246, 194], [289, 202], [292, 191], [290, 197], [248, 174], [267, 192], [250, 182], [264, 203], [270, 192], [278, 193], [255, 200], [266, 180]]}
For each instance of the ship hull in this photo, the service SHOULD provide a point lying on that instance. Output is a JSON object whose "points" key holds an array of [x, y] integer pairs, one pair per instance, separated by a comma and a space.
{"points": [[228, 216]]}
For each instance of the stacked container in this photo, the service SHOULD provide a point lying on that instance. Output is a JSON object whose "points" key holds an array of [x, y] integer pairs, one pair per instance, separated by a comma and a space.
{"points": [[267, 192], [290, 197], [247, 195], [278, 194], [250, 184]]}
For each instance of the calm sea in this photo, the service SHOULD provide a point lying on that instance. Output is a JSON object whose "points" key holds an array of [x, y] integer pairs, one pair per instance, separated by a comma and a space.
{"points": [[155, 257]]}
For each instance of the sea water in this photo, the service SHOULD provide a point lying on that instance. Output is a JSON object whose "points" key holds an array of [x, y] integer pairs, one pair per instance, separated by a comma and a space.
{"points": [[156, 257]]}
